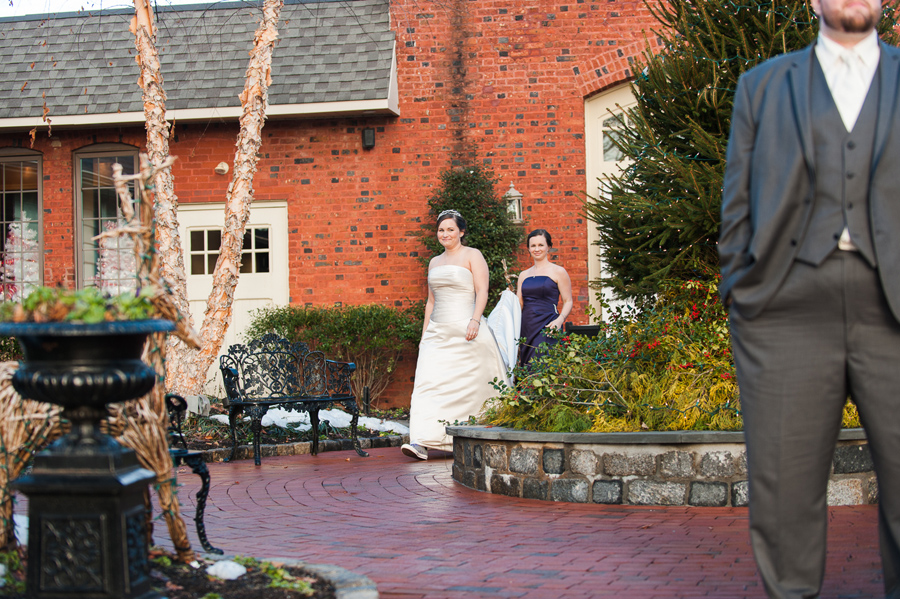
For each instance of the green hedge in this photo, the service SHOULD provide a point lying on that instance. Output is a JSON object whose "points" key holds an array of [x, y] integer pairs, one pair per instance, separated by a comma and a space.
{"points": [[373, 336]]}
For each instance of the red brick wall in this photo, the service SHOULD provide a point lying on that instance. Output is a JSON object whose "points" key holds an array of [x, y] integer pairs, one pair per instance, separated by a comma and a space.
{"points": [[502, 81]]}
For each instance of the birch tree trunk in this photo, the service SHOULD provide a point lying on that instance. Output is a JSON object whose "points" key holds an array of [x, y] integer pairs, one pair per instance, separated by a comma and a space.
{"points": [[186, 368], [169, 240], [186, 373], [149, 439], [166, 202]]}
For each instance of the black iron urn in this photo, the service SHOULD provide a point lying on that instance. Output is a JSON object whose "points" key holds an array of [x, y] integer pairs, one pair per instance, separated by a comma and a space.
{"points": [[87, 518]]}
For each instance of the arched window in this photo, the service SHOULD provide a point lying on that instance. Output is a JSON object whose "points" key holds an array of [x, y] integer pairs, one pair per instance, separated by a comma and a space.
{"points": [[108, 263], [20, 217]]}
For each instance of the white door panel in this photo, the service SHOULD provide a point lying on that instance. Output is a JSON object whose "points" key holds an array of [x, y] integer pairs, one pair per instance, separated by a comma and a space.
{"points": [[603, 160], [199, 225]]}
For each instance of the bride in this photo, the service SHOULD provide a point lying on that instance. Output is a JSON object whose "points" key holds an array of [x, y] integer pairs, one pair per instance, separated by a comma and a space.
{"points": [[458, 355]]}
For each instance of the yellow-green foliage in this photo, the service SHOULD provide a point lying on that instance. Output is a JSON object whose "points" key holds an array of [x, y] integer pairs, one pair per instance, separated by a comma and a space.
{"points": [[664, 366]]}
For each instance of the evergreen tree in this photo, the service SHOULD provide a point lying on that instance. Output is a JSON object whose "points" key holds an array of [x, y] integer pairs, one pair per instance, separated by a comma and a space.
{"points": [[471, 191], [660, 217]]}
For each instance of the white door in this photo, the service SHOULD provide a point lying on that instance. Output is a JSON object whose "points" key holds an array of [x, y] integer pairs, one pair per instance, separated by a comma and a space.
{"points": [[603, 160], [263, 279]]}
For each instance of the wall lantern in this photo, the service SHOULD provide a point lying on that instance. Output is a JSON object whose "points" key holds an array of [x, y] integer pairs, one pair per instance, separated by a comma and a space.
{"points": [[368, 138], [513, 199]]}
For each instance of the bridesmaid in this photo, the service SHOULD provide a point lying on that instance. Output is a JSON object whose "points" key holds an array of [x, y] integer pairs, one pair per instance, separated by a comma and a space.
{"points": [[540, 289]]}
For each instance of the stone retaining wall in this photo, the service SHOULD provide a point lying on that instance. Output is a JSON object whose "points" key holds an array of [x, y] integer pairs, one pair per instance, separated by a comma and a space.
{"points": [[697, 468]]}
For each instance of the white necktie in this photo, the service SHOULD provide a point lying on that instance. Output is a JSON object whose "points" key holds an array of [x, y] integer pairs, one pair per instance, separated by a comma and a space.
{"points": [[848, 87]]}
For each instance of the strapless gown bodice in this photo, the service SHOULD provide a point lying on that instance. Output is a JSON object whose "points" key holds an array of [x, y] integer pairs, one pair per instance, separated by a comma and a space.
{"points": [[453, 288], [540, 295]]}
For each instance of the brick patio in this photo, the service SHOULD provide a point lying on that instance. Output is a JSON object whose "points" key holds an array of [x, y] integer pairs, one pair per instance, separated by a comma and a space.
{"points": [[416, 533]]}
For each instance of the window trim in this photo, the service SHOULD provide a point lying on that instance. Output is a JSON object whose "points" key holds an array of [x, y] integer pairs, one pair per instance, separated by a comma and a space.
{"points": [[251, 251], [10, 154], [93, 151]]}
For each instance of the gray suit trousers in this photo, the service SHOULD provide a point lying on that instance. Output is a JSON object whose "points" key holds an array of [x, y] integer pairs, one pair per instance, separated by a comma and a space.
{"points": [[826, 334]]}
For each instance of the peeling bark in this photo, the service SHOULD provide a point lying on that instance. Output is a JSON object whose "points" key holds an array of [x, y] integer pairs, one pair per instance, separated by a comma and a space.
{"points": [[154, 96], [148, 436], [187, 376], [186, 368]]}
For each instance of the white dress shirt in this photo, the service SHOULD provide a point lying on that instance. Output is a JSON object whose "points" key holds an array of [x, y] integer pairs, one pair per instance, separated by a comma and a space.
{"points": [[849, 73], [849, 95]]}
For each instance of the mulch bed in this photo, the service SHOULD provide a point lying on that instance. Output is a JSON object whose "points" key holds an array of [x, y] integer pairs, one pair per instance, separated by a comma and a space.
{"points": [[175, 580], [181, 581]]}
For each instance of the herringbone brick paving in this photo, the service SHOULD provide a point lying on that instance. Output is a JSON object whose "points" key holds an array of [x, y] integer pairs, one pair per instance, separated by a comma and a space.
{"points": [[415, 532]]}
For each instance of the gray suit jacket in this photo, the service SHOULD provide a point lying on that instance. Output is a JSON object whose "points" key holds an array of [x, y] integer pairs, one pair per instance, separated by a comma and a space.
{"points": [[768, 193]]}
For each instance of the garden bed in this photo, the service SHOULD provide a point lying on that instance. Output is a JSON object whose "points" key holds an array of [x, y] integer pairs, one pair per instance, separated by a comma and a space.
{"points": [[273, 579], [695, 468], [281, 437]]}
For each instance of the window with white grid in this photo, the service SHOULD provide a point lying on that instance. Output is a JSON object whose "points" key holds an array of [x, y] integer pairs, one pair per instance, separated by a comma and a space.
{"points": [[108, 263], [21, 268], [205, 244]]}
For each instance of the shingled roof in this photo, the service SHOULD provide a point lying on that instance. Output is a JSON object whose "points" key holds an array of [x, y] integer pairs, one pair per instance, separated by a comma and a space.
{"points": [[331, 58]]}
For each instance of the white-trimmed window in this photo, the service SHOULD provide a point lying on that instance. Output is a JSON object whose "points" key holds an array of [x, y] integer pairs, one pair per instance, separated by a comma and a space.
{"points": [[611, 134], [21, 267], [255, 256], [110, 263], [205, 244], [204, 247]]}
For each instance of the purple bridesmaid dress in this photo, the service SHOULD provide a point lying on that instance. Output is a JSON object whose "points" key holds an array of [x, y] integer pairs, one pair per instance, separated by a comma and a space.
{"points": [[540, 296]]}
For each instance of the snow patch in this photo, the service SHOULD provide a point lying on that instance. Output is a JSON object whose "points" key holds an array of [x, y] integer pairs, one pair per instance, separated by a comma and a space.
{"points": [[226, 570], [20, 521], [336, 418]]}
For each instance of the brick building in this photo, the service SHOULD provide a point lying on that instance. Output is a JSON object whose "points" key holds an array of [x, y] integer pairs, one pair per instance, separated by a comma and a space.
{"points": [[524, 86]]}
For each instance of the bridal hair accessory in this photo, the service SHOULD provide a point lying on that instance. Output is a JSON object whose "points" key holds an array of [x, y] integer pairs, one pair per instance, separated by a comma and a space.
{"points": [[450, 212]]}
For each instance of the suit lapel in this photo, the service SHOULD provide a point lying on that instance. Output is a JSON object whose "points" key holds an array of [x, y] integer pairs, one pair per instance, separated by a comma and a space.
{"points": [[889, 71], [800, 75]]}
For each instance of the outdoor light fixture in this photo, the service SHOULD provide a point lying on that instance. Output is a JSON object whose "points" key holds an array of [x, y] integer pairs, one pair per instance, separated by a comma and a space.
{"points": [[221, 168], [368, 138], [513, 199]]}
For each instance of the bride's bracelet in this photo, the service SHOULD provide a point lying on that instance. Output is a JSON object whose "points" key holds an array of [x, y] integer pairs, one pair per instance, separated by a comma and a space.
{"points": [[478, 322]]}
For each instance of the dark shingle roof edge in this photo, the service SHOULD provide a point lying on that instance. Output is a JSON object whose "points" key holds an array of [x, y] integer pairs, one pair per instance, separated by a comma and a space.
{"points": [[82, 69], [126, 8]]}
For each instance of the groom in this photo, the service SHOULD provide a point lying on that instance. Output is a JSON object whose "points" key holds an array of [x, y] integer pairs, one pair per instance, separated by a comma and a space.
{"points": [[810, 257]]}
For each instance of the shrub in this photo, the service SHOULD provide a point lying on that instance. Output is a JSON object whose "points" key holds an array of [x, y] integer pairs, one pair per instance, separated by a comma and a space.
{"points": [[88, 305], [664, 365], [372, 336]]}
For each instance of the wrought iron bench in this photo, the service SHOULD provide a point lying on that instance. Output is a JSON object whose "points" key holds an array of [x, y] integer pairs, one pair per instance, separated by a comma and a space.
{"points": [[273, 372], [176, 406]]}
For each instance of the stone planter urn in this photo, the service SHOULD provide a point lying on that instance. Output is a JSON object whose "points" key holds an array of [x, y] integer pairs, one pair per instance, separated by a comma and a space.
{"points": [[87, 518]]}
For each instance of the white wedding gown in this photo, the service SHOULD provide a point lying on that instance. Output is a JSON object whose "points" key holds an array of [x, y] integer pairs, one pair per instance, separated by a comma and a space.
{"points": [[453, 376]]}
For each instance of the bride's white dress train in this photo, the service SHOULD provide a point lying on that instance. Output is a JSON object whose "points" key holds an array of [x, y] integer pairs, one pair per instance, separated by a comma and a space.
{"points": [[453, 376]]}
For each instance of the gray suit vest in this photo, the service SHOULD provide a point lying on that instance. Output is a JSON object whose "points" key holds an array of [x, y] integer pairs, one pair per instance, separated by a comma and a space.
{"points": [[842, 173]]}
